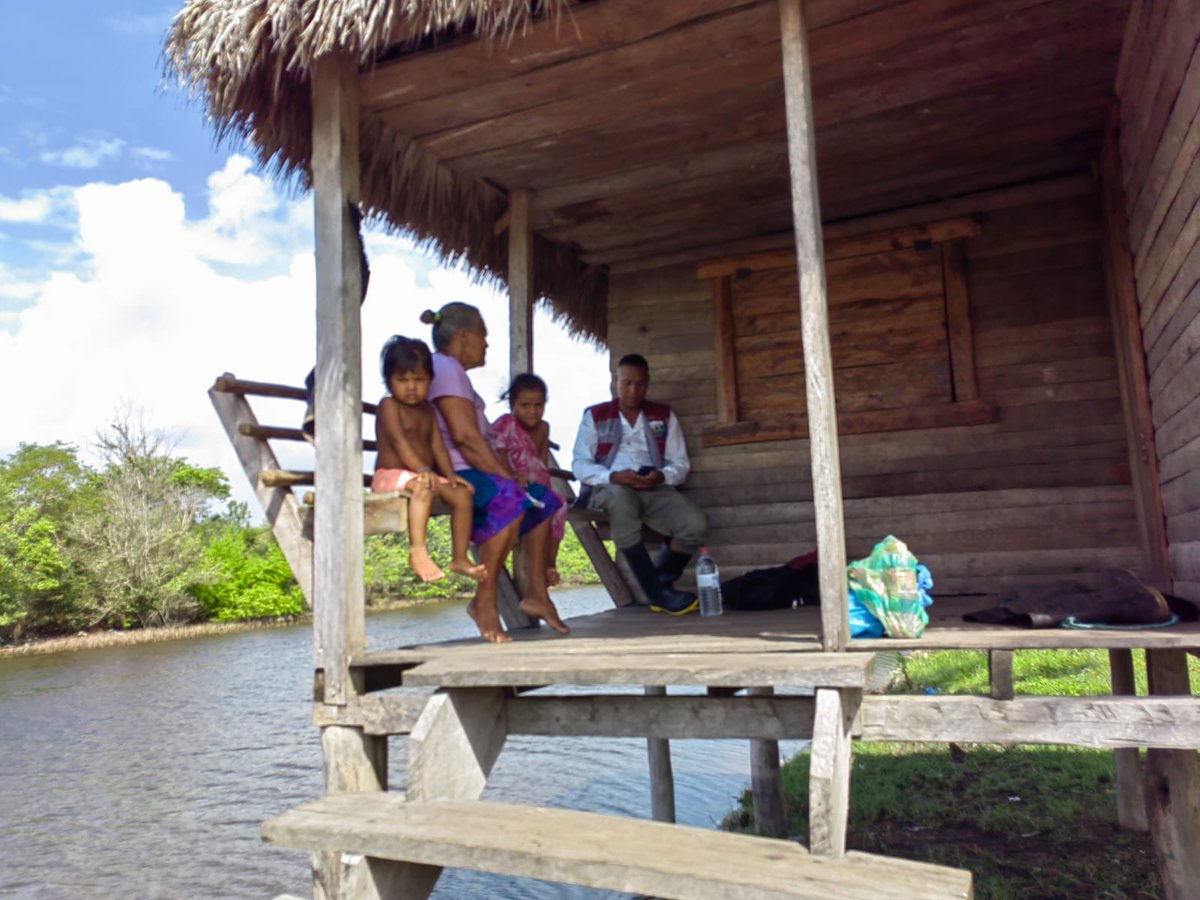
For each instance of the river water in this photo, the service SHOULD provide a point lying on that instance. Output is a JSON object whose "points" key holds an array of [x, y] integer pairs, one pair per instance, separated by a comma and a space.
{"points": [[146, 771]]}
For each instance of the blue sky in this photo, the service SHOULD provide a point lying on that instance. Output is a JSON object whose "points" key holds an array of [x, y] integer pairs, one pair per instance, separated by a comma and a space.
{"points": [[139, 260]]}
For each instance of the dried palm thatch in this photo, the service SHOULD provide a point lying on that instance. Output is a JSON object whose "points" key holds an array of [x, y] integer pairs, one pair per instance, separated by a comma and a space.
{"points": [[250, 61]]}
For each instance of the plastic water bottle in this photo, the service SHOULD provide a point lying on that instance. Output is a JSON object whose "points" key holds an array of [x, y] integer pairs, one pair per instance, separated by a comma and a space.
{"points": [[708, 584]]}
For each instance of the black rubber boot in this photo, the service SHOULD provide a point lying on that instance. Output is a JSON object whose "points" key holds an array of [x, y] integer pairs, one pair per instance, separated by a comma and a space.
{"points": [[670, 565], [662, 599]]}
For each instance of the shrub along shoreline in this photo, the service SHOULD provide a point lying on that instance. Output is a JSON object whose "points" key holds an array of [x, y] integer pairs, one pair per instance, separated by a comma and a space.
{"points": [[94, 640], [1028, 821]]}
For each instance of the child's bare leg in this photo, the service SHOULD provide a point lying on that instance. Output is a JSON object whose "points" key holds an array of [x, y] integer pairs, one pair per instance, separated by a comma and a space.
{"points": [[483, 608], [419, 505], [459, 501], [552, 577], [536, 602]]}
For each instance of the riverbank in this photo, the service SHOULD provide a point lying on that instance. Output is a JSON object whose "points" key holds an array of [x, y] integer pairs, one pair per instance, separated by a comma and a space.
{"points": [[1028, 821], [95, 640]]}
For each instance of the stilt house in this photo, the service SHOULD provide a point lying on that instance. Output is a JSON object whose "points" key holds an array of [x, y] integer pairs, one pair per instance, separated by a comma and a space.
{"points": [[920, 267]]}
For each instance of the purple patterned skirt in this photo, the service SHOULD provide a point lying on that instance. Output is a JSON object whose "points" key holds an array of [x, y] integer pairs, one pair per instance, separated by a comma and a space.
{"points": [[500, 501]]}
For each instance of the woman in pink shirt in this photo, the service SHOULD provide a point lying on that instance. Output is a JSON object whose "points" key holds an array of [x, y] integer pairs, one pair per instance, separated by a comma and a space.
{"points": [[505, 511]]}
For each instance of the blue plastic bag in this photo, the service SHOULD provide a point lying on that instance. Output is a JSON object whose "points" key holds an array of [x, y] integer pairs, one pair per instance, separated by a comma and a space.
{"points": [[862, 623], [889, 587]]}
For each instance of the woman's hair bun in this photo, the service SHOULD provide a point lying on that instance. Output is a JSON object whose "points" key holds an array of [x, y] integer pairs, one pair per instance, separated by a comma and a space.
{"points": [[429, 317]]}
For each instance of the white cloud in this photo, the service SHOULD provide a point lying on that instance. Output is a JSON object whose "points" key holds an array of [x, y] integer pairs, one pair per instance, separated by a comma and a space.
{"points": [[87, 154], [152, 312], [151, 154], [31, 208]]}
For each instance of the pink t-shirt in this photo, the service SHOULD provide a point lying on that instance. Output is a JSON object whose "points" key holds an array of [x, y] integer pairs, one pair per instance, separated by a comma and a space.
{"points": [[450, 380]]}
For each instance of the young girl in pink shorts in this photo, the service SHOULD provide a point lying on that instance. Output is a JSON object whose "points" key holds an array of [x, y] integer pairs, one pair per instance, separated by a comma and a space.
{"points": [[412, 457], [522, 440]]}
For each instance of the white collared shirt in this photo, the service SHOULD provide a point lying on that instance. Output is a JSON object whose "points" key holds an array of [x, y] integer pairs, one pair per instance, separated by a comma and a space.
{"points": [[633, 452]]}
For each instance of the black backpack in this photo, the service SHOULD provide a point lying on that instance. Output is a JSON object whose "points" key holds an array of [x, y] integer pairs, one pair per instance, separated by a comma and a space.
{"points": [[778, 587]]}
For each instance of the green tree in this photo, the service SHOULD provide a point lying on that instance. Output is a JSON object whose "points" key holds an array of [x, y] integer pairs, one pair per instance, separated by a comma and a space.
{"points": [[139, 544], [246, 575], [39, 583]]}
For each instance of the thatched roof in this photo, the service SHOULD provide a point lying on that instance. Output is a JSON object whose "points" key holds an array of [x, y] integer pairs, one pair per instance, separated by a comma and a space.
{"points": [[251, 60], [653, 132]]}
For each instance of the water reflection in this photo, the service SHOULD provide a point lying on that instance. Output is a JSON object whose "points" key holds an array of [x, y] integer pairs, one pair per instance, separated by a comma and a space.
{"points": [[146, 771]]}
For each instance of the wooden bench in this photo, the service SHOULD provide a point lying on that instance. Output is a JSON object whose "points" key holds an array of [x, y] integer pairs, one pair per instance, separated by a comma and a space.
{"points": [[594, 850], [386, 513], [292, 520]]}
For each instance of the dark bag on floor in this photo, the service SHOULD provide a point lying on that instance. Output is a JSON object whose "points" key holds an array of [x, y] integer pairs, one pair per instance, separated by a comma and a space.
{"points": [[1117, 598], [778, 587]]}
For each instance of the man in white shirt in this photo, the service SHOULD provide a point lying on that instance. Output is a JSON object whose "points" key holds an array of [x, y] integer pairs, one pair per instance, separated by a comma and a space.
{"points": [[630, 456]]}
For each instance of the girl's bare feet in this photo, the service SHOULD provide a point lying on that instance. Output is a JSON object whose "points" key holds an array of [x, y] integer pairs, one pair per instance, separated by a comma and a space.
{"points": [[426, 568], [487, 620], [544, 608], [552, 577], [468, 568]]}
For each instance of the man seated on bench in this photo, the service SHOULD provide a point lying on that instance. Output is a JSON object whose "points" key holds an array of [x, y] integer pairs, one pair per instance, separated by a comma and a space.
{"points": [[630, 456]]}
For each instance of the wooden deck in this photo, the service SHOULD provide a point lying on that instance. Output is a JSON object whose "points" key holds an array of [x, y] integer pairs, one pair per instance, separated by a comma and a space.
{"points": [[635, 629]]}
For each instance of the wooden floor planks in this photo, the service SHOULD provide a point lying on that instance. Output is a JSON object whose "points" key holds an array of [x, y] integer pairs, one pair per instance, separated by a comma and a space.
{"points": [[599, 645]]}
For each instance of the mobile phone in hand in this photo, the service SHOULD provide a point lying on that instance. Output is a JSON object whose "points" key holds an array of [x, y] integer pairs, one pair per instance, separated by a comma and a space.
{"points": [[646, 470]]}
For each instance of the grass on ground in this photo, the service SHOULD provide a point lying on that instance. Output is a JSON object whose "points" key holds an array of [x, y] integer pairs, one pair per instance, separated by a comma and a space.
{"points": [[1028, 821]]}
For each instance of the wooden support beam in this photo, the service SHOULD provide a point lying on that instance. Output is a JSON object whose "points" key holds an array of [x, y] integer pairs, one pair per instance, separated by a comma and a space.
{"points": [[375, 714], [607, 570], [724, 351], [338, 631], [958, 321], [662, 777], [766, 782], [1173, 787], [1101, 722], [279, 504], [1000, 674], [520, 284], [354, 763], [455, 743], [814, 328], [681, 717], [1131, 798], [1132, 375], [829, 770], [451, 752]]}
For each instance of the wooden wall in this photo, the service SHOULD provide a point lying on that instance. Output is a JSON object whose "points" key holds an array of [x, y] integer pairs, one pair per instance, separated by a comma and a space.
{"points": [[1044, 491], [1159, 127]]}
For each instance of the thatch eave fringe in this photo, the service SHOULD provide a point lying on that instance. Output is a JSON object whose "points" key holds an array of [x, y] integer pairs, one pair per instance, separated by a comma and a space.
{"points": [[250, 63]]}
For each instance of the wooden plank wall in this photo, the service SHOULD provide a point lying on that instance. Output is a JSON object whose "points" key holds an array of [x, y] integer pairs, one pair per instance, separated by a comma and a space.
{"points": [[1043, 492], [1159, 89]]}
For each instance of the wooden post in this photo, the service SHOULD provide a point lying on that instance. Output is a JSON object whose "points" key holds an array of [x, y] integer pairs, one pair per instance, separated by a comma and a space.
{"points": [[723, 346], [1132, 375], [451, 751], [829, 770], [354, 762], [520, 284], [766, 782], [814, 328], [338, 631], [1173, 788], [662, 778], [1131, 798], [1000, 674]]}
